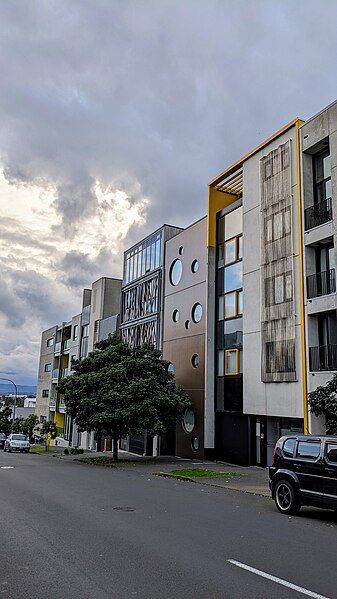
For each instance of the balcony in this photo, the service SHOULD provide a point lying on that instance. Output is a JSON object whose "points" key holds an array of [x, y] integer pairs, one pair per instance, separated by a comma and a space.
{"points": [[66, 344], [323, 357], [57, 348], [52, 405], [62, 407], [64, 372], [321, 283], [55, 376], [318, 214]]}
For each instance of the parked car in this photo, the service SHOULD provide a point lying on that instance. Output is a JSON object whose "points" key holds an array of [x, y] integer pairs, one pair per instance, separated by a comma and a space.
{"points": [[304, 472], [17, 442], [2, 440]]}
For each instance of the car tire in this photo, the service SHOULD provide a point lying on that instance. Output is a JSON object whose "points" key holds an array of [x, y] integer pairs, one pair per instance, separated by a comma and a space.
{"points": [[5, 449], [286, 499], [9, 449]]}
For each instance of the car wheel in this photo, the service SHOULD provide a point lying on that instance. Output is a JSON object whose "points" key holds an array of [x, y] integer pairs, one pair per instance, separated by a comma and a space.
{"points": [[285, 498], [5, 449], [27, 450], [9, 449]]}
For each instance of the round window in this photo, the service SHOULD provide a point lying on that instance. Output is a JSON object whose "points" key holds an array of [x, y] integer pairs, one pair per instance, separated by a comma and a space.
{"points": [[176, 271], [170, 368], [195, 443], [181, 250], [195, 360], [195, 266], [187, 324], [175, 315], [188, 420], [197, 312]]}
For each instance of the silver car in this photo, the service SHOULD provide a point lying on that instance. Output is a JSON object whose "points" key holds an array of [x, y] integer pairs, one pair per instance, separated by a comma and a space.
{"points": [[17, 442]]}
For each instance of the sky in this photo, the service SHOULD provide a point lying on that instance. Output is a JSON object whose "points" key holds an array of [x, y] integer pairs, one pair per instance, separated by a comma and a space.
{"points": [[115, 114]]}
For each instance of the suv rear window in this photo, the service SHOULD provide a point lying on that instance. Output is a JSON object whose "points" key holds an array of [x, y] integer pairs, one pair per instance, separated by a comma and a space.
{"points": [[307, 450], [288, 447], [331, 453]]}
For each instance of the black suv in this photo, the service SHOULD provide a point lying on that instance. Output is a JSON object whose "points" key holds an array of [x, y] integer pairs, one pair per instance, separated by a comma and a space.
{"points": [[304, 472]]}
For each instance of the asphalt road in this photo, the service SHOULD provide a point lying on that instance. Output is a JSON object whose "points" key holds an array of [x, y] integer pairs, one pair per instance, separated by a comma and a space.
{"points": [[66, 532]]}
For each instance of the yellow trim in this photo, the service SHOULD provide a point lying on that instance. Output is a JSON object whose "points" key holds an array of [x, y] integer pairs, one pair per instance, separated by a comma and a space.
{"points": [[217, 200], [237, 363], [301, 286]]}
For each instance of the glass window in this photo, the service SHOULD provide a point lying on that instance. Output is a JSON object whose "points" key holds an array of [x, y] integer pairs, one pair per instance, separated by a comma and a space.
{"points": [[195, 266], [241, 361], [230, 305], [188, 420], [153, 255], [287, 224], [288, 447], [240, 247], [195, 360], [50, 342], [230, 251], [231, 365], [279, 291], [331, 452], [45, 393], [75, 332], [326, 166], [278, 226], [176, 271], [170, 368], [233, 276], [197, 312], [289, 287], [221, 251], [269, 229], [195, 443], [221, 303], [221, 365], [233, 223], [47, 367], [308, 450], [181, 250], [187, 324], [175, 315], [158, 245], [240, 302]]}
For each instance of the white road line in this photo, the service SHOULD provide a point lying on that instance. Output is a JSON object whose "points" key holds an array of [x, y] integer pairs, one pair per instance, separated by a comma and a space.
{"points": [[294, 587], [6, 467]]}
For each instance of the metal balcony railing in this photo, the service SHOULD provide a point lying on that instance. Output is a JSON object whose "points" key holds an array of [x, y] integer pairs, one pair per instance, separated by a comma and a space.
{"points": [[66, 344], [318, 214], [55, 374], [323, 357], [321, 283], [64, 372], [57, 347]]}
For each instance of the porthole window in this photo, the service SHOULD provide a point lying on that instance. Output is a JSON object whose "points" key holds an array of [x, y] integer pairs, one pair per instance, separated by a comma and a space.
{"points": [[176, 271], [188, 420], [195, 360], [181, 250], [197, 312], [175, 315], [187, 324], [170, 368], [195, 266], [195, 443]]}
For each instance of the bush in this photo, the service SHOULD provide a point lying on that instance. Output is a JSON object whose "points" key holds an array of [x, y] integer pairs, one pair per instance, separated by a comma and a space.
{"points": [[76, 451], [66, 451]]}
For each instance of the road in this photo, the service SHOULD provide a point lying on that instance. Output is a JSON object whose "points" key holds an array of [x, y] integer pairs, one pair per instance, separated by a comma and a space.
{"points": [[71, 530]]}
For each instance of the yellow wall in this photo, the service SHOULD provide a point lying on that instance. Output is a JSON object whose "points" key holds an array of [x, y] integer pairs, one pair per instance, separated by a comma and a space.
{"points": [[217, 200]]}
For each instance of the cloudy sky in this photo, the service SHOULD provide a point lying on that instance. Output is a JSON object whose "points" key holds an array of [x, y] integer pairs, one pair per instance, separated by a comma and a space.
{"points": [[114, 114]]}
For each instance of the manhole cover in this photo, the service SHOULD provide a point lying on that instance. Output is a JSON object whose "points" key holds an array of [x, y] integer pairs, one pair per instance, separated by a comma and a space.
{"points": [[122, 508]]}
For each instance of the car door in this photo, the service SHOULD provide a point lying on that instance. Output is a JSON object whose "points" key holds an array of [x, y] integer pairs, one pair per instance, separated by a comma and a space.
{"points": [[308, 467], [330, 474]]}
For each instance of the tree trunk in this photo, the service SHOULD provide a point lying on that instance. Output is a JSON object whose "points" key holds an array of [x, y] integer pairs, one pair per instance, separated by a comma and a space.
{"points": [[115, 448]]}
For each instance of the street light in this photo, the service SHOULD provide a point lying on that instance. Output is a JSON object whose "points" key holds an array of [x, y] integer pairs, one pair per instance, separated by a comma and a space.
{"points": [[15, 399]]}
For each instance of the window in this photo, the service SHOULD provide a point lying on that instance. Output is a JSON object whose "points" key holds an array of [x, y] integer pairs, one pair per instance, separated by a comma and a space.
{"points": [[331, 452], [175, 315], [288, 447], [195, 266], [230, 251], [233, 277], [221, 356], [195, 443], [197, 313], [170, 368], [278, 225], [308, 451], [50, 342], [188, 420], [96, 331], [187, 324], [322, 176], [75, 332], [47, 367], [279, 289], [181, 250], [195, 360], [240, 302], [176, 271], [85, 330], [230, 305], [45, 392], [231, 361]]}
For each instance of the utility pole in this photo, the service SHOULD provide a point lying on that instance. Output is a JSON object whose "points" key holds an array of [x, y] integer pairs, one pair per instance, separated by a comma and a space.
{"points": [[15, 399]]}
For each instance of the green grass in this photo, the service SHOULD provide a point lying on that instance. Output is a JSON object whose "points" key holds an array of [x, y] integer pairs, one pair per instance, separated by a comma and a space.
{"points": [[100, 460], [40, 449], [202, 473]]}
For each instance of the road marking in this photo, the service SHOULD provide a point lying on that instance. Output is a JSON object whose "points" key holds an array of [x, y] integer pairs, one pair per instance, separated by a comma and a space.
{"points": [[6, 467], [285, 583]]}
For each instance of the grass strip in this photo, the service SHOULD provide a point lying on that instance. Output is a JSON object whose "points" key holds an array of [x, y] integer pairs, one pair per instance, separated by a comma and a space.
{"points": [[202, 473]]}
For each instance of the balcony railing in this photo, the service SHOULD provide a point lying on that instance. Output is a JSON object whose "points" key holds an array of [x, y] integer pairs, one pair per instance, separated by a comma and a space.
{"points": [[321, 283], [64, 372], [57, 347], [66, 344], [318, 214], [323, 357], [52, 405], [55, 375]]}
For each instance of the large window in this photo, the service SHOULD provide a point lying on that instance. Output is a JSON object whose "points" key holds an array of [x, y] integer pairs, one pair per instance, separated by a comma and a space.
{"points": [[279, 289], [50, 342], [47, 367], [75, 332], [322, 176], [142, 259]]}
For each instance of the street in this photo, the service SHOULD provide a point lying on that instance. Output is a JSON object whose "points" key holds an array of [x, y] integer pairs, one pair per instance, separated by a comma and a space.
{"points": [[73, 530]]}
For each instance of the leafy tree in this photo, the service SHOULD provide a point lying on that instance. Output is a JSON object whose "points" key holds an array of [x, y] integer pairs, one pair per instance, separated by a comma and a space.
{"points": [[119, 390], [323, 402], [5, 420], [49, 431], [28, 425]]}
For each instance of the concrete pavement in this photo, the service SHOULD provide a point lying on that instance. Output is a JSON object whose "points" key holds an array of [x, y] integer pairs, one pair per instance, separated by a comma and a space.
{"points": [[70, 530]]}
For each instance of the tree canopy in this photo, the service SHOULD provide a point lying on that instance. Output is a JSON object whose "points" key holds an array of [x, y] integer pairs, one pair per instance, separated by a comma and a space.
{"points": [[119, 390], [323, 402]]}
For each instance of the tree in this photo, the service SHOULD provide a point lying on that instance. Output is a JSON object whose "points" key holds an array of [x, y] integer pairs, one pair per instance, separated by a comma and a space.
{"points": [[49, 430], [119, 390], [5, 420], [323, 402], [28, 425]]}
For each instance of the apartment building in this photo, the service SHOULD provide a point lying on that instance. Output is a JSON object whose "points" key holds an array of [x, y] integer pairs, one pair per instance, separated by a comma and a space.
{"points": [[62, 344], [184, 329]]}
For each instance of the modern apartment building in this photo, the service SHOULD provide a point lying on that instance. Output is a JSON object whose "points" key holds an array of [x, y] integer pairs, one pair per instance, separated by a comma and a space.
{"points": [[62, 344], [184, 329]]}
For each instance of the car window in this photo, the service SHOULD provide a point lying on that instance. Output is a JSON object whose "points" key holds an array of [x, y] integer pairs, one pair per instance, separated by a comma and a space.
{"points": [[18, 437], [307, 450], [2, 436], [331, 452], [288, 447]]}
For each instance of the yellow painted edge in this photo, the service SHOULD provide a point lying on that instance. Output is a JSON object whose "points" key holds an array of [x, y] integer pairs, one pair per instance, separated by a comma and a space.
{"points": [[301, 268], [217, 200]]}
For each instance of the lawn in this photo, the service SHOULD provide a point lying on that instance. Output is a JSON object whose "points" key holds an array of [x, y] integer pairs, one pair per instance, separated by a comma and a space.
{"points": [[40, 449], [202, 473], [100, 460]]}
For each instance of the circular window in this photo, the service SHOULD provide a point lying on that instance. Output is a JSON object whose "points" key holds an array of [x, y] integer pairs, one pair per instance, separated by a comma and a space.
{"points": [[175, 315], [181, 250], [188, 420], [195, 360], [195, 443], [197, 312], [170, 368], [187, 324], [195, 266], [176, 271]]}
